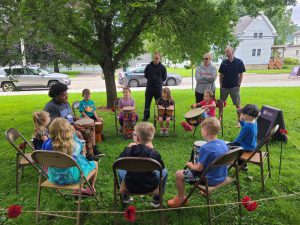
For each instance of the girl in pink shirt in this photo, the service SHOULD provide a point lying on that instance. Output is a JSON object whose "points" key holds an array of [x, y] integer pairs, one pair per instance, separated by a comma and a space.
{"points": [[208, 103]]}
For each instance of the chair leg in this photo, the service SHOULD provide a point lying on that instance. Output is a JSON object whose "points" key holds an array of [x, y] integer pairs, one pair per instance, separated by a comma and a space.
{"points": [[222, 128], [261, 164], [115, 194], [195, 130], [17, 176], [269, 162], [238, 188], [208, 207], [174, 127], [38, 201], [79, 202]]}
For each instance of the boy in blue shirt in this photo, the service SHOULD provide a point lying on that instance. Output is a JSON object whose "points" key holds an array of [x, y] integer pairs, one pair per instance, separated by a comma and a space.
{"points": [[248, 134], [207, 153]]}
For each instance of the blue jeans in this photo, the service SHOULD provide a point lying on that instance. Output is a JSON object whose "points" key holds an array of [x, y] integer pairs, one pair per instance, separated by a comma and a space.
{"points": [[122, 174]]}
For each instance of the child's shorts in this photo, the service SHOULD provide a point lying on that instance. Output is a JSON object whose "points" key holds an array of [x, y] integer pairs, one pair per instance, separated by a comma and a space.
{"points": [[191, 176]]}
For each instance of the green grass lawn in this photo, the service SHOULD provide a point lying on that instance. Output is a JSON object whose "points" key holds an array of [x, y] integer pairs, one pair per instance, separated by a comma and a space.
{"points": [[71, 74], [17, 112]]}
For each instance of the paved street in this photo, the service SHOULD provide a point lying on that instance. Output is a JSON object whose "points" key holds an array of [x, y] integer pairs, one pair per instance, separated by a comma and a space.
{"points": [[94, 82]]}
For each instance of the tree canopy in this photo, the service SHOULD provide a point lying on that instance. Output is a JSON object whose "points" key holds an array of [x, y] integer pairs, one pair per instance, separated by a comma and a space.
{"points": [[111, 32]]}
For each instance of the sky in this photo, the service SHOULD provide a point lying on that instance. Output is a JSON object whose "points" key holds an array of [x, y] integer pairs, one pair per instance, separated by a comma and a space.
{"points": [[296, 13]]}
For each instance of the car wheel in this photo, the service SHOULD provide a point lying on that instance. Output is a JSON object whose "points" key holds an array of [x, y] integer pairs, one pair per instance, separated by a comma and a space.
{"points": [[8, 87], [133, 83], [171, 82], [51, 83]]}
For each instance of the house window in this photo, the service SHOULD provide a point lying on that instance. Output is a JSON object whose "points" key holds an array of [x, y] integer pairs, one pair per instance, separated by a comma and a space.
{"points": [[258, 52], [253, 52], [255, 35], [297, 52], [260, 35]]}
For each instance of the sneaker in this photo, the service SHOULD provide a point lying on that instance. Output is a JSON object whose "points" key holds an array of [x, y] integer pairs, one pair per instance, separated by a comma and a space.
{"points": [[92, 158], [126, 199], [155, 202], [97, 153], [161, 133], [175, 202], [166, 133]]}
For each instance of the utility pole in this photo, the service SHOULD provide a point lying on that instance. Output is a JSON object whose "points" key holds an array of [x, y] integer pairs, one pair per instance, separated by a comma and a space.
{"points": [[23, 52]]}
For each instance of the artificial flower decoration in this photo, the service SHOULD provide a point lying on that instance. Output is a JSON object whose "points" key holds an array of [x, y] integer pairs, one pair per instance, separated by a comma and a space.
{"points": [[186, 126], [14, 211], [129, 213], [22, 145], [249, 204], [283, 131]]}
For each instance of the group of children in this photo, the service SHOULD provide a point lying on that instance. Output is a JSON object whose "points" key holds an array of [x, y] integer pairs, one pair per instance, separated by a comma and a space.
{"points": [[61, 136]]}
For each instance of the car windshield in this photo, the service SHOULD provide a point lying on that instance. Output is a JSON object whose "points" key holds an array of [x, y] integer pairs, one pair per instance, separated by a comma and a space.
{"points": [[44, 71]]}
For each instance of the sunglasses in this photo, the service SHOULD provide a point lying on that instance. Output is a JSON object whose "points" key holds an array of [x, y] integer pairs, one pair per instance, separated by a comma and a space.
{"points": [[204, 58]]}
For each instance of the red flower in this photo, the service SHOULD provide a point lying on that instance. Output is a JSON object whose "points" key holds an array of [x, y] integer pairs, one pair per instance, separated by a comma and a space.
{"points": [[186, 126], [129, 213], [283, 131], [22, 145], [249, 204], [14, 211]]}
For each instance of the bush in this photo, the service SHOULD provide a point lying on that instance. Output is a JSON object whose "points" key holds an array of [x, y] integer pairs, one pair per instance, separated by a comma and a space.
{"points": [[187, 67], [291, 61]]}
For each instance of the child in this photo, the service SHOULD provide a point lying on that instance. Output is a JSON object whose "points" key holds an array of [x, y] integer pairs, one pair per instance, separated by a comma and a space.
{"points": [[248, 134], [208, 103], [206, 154], [146, 182], [87, 106], [62, 139], [167, 102], [41, 121], [125, 101]]}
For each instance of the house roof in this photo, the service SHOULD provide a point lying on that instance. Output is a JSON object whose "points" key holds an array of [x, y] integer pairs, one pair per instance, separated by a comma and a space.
{"points": [[245, 21]]}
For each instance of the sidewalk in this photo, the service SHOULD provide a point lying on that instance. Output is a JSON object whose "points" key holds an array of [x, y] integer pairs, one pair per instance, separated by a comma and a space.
{"points": [[94, 82]]}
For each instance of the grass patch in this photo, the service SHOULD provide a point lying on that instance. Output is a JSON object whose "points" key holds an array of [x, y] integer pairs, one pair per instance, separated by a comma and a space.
{"points": [[17, 112], [181, 71], [71, 74]]}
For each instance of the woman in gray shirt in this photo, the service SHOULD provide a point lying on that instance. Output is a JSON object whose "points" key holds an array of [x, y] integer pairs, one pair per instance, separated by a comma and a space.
{"points": [[206, 75]]}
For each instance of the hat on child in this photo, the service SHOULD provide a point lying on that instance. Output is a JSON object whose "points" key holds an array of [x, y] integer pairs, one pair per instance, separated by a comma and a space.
{"points": [[249, 109]]}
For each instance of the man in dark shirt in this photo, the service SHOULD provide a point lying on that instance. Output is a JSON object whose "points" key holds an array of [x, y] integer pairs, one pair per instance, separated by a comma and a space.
{"points": [[141, 183], [155, 74], [231, 77]]}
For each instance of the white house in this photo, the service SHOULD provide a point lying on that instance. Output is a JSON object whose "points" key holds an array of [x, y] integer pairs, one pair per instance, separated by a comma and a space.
{"points": [[293, 50], [256, 37]]}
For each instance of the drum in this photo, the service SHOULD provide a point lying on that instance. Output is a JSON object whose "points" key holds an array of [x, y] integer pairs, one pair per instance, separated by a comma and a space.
{"points": [[98, 131], [85, 122], [197, 144], [161, 110], [88, 125], [195, 116], [128, 109], [170, 111]]}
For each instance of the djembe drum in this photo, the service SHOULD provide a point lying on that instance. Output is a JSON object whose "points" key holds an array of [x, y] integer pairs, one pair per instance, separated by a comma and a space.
{"points": [[170, 111], [195, 153], [195, 116], [88, 125], [161, 110], [129, 121], [98, 131]]}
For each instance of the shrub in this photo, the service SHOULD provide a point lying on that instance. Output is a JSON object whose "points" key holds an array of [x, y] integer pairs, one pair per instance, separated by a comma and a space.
{"points": [[291, 61]]}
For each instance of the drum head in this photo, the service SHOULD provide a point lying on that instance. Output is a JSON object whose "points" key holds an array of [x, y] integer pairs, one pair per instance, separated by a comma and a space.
{"points": [[128, 108], [84, 121], [199, 143], [160, 107], [194, 112]]}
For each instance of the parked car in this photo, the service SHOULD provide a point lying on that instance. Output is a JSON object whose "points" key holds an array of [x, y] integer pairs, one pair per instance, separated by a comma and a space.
{"points": [[17, 77], [135, 78]]}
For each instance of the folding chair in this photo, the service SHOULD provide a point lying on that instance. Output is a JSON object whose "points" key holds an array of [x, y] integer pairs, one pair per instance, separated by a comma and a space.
{"points": [[258, 157], [230, 157], [136, 164], [220, 106], [172, 118], [60, 160], [75, 106], [20, 144]]}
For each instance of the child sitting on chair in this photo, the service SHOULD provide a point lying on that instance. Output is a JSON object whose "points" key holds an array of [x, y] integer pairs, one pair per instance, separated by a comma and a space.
{"points": [[248, 134], [87, 106], [41, 121], [127, 100], [208, 103], [145, 182], [62, 139], [166, 101], [206, 154]]}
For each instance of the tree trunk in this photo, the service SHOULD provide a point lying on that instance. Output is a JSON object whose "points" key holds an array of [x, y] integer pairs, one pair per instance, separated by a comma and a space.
{"points": [[110, 84], [56, 67]]}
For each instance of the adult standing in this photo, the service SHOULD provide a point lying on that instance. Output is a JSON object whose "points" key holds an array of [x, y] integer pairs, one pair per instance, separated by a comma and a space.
{"points": [[59, 106], [231, 77], [206, 75], [155, 74]]}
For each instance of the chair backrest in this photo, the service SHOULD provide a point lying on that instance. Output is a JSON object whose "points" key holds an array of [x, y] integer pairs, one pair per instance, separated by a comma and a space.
{"points": [[54, 159], [267, 137], [226, 159], [137, 164], [75, 106], [12, 135]]}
